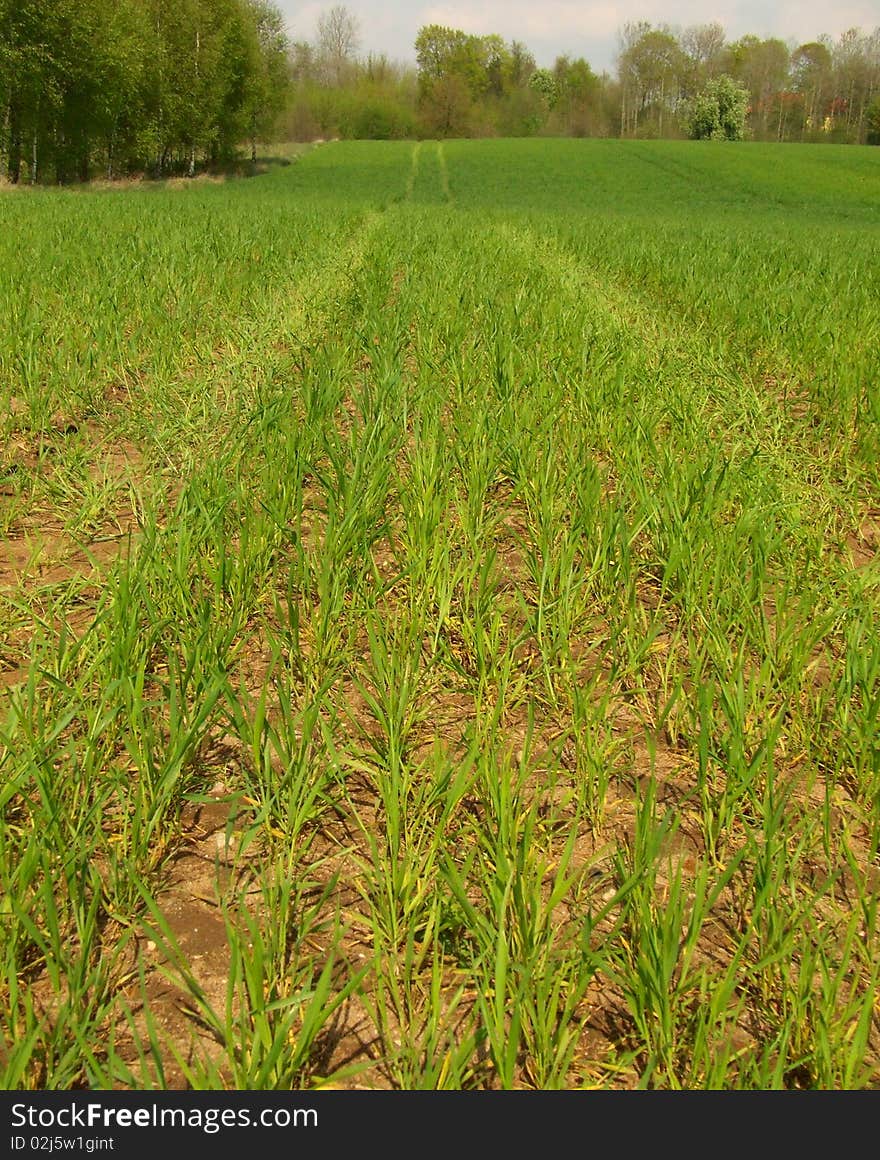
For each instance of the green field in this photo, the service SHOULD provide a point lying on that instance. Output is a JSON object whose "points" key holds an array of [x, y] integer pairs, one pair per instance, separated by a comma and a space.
{"points": [[440, 622]]}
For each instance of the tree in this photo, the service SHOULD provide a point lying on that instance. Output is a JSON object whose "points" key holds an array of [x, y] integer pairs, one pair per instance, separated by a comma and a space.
{"points": [[302, 62], [267, 79], [29, 42], [703, 47], [521, 65], [762, 67], [856, 67], [497, 64], [718, 113], [117, 101], [446, 106], [651, 66], [206, 55], [338, 41], [444, 52], [575, 108], [543, 82], [456, 70], [811, 75], [133, 82]]}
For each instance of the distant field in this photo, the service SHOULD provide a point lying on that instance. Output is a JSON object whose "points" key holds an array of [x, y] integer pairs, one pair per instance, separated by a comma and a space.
{"points": [[440, 622]]}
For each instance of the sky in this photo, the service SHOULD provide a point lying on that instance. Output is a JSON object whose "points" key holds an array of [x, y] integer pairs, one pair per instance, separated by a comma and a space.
{"points": [[579, 27]]}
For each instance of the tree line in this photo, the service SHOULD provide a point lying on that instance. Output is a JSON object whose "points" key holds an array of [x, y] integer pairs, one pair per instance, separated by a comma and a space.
{"points": [[820, 90], [465, 85], [161, 86], [462, 86], [135, 85]]}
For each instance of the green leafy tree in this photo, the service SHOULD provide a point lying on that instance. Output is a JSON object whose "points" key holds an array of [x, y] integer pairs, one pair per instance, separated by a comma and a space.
{"points": [[497, 64], [478, 84], [446, 106], [29, 42], [446, 52], [266, 76], [576, 111], [811, 76], [451, 77], [762, 67], [543, 82], [718, 113], [123, 81], [652, 67], [521, 65], [856, 68]]}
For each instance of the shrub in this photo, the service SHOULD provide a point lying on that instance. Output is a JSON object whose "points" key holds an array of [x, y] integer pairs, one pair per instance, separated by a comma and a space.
{"points": [[718, 113]]}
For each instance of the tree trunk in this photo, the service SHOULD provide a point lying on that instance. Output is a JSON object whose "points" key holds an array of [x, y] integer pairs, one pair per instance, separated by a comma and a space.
{"points": [[867, 94], [662, 100], [14, 169], [34, 159], [192, 150], [60, 159]]}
